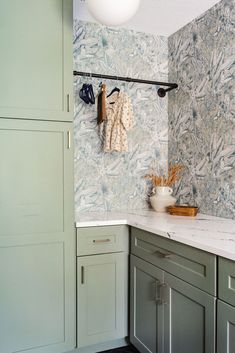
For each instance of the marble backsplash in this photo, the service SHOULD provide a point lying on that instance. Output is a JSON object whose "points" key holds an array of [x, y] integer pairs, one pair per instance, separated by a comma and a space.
{"points": [[114, 181], [202, 110]]}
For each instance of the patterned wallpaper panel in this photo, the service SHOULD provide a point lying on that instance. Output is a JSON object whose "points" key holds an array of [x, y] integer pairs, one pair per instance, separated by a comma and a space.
{"points": [[202, 110], [113, 181]]}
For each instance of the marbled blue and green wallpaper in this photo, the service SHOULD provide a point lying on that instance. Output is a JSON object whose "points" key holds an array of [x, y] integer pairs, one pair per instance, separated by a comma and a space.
{"points": [[202, 110], [114, 181]]}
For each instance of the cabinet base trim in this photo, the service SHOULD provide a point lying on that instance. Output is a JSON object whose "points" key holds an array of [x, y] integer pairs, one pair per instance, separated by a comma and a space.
{"points": [[102, 346]]}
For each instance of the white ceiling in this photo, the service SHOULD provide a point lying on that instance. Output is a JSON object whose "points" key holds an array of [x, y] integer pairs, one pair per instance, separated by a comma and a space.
{"points": [[161, 17]]}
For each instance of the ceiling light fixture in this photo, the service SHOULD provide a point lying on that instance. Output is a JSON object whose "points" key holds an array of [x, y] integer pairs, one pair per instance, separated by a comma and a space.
{"points": [[113, 12]]}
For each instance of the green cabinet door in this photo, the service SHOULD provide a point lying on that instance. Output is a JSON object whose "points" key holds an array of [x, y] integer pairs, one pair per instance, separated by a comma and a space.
{"points": [[189, 318], [225, 328], [146, 310], [226, 280], [37, 237], [36, 59], [101, 297]]}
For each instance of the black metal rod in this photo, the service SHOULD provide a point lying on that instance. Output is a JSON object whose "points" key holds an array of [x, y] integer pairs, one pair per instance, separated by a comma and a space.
{"points": [[170, 88], [126, 79]]}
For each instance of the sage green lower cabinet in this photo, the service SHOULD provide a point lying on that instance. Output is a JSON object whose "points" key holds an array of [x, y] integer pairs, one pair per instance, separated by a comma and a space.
{"points": [[226, 307], [189, 264], [225, 328], [146, 312], [101, 295], [169, 315], [37, 238], [189, 318], [226, 283]]}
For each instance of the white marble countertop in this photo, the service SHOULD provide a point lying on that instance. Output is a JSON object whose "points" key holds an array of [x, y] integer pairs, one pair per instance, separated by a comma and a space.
{"points": [[212, 234]]}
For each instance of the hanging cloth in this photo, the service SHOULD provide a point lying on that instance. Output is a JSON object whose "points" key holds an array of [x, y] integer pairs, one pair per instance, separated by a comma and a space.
{"points": [[102, 114], [119, 120], [87, 94]]}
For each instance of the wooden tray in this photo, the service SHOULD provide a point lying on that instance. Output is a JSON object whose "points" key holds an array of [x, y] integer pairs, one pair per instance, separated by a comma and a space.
{"points": [[189, 211]]}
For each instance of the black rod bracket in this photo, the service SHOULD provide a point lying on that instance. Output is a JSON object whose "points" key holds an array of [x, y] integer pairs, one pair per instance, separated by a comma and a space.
{"points": [[161, 91]]}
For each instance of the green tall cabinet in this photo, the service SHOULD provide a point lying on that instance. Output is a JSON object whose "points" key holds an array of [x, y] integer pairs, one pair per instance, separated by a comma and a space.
{"points": [[37, 242], [36, 59], [37, 237]]}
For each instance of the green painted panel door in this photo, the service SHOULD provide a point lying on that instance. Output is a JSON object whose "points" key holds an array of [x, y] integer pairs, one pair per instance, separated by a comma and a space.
{"points": [[189, 318], [146, 311], [226, 281], [36, 59], [225, 328], [37, 237], [101, 299]]}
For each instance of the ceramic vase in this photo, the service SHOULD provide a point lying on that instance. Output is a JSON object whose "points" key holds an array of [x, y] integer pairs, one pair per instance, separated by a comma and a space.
{"points": [[162, 198]]}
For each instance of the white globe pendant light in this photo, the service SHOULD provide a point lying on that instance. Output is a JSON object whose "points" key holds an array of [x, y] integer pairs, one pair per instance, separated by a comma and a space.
{"points": [[113, 12]]}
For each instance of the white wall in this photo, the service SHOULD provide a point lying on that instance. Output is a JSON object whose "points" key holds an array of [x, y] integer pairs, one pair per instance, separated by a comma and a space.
{"points": [[159, 17]]}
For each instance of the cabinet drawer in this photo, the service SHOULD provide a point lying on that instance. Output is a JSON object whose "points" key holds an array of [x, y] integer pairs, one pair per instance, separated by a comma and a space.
{"points": [[227, 280], [192, 265], [102, 240]]}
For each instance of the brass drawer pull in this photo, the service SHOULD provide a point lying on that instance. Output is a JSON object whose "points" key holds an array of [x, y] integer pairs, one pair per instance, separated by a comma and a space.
{"points": [[101, 241], [162, 255]]}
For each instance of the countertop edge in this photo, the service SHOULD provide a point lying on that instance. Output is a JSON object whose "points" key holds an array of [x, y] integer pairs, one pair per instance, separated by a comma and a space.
{"points": [[85, 224], [193, 242]]}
